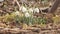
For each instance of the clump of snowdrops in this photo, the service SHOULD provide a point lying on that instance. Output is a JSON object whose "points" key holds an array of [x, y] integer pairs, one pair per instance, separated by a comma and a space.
{"points": [[24, 16]]}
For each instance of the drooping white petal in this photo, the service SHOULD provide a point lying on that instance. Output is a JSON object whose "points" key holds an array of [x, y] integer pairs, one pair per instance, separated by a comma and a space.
{"points": [[23, 9], [27, 14], [36, 10]]}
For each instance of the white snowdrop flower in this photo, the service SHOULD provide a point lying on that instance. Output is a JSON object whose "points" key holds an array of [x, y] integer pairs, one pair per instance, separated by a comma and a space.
{"points": [[17, 12], [1, 0], [31, 10], [27, 14], [23, 9], [36, 10]]}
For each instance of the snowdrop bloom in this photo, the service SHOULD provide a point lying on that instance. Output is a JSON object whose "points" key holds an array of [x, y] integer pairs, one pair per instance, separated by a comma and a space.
{"points": [[27, 14], [1, 0], [17, 12], [31, 10], [23, 9], [36, 10]]}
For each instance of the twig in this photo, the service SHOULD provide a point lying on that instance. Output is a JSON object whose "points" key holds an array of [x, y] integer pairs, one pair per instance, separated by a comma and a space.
{"points": [[17, 3]]}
